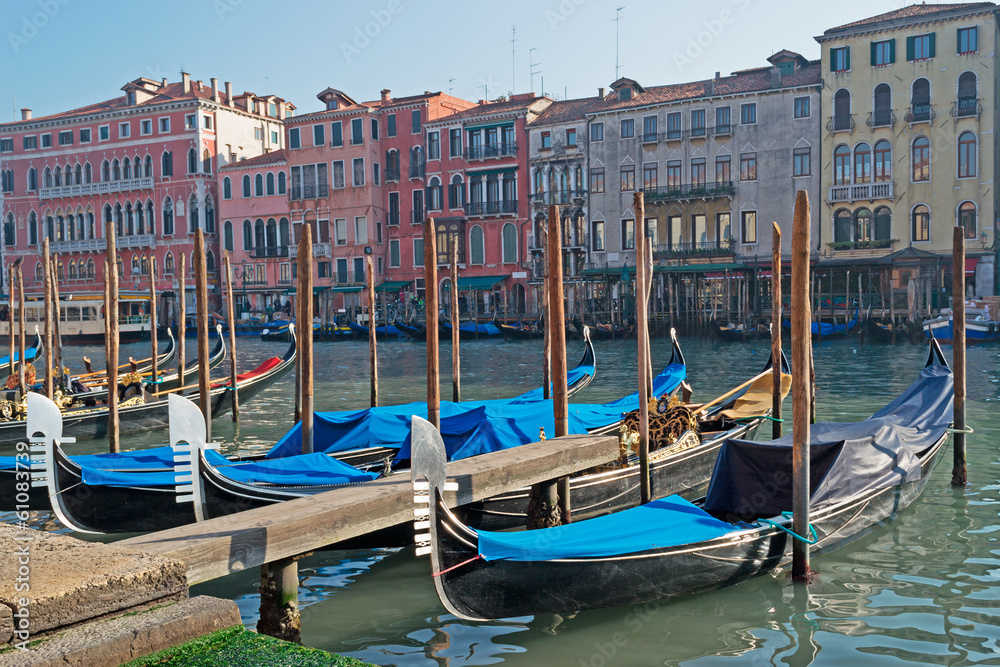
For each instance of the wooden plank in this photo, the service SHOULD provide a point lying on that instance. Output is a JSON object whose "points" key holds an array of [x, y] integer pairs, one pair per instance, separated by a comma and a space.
{"points": [[218, 547]]}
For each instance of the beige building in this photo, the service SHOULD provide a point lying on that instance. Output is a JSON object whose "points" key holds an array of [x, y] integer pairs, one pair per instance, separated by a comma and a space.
{"points": [[909, 142]]}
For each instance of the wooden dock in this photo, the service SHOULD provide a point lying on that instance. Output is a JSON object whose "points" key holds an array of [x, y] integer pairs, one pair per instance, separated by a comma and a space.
{"points": [[218, 547]]}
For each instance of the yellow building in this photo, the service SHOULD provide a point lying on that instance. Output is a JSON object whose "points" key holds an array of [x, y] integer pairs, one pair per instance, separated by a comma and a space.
{"points": [[909, 142]]}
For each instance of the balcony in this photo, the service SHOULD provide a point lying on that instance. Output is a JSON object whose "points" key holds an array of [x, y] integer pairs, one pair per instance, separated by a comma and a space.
{"points": [[99, 245], [966, 107], [920, 113], [560, 197], [860, 192], [690, 191], [673, 135], [417, 217], [504, 149], [107, 187], [649, 138], [318, 250], [881, 118], [697, 133], [843, 123], [576, 242], [720, 130], [491, 207], [417, 170], [722, 247], [873, 244], [268, 252], [392, 174]]}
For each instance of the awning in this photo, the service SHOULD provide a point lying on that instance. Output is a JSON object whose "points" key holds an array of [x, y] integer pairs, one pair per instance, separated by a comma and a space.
{"points": [[479, 282], [496, 171], [970, 265], [393, 285], [347, 288], [316, 290], [507, 123]]}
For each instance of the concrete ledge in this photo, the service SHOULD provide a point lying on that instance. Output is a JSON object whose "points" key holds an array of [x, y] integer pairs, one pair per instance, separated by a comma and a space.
{"points": [[114, 641], [67, 581]]}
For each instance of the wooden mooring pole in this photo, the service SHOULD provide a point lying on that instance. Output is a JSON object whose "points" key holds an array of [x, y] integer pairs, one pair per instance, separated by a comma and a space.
{"points": [[304, 294], [801, 362], [776, 330], [431, 316], [959, 473], [642, 331], [892, 306], [557, 338], [57, 357], [226, 262], [21, 361], [372, 338], [456, 362], [47, 304], [153, 320], [12, 270], [201, 303], [182, 319], [111, 310]]}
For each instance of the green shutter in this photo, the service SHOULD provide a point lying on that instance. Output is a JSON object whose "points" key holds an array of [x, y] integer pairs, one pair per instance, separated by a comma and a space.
{"points": [[909, 49], [892, 50], [872, 45], [931, 54], [958, 40], [833, 60], [847, 58]]}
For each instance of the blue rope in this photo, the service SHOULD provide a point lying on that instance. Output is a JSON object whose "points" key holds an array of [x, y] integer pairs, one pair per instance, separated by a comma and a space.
{"points": [[788, 515]]}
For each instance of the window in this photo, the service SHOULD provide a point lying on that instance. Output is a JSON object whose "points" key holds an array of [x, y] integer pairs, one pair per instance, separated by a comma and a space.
{"points": [[920, 47], [966, 218], [801, 107], [164, 125], [649, 176], [723, 120], [698, 173], [625, 94], [748, 166], [921, 159], [30, 143], [33, 179], [649, 128], [293, 138], [571, 138], [723, 170], [340, 231], [246, 186], [597, 132], [418, 207], [274, 137], [456, 192], [597, 236], [674, 179], [968, 104], [167, 164], [319, 135], [883, 53], [840, 59], [394, 253], [967, 155], [258, 185], [455, 142], [883, 161], [628, 128], [415, 120], [357, 132], [189, 122], [361, 229], [374, 129], [841, 165], [270, 184], [339, 180], [358, 168], [628, 178], [698, 123], [7, 180], [596, 181], [390, 125], [862, 163], [124, 130], [509, 238], [192, 162], [748, 113], [921, 223], [145, 126], [207, 122], [968, 40], [227, 188], [920, 109], [802, 162], [227, 235], [46, 140], [433, 145], [674, 125], [749, 227], [546, 141], [65, 138], [628, 234], [281, 182], [393, 213], [168, 216], [418, 252]]}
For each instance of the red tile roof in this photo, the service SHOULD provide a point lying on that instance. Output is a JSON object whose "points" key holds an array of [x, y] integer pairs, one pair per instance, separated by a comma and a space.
{"points": [[920, 11], [490, 108], [568, 110], [273, 157]]}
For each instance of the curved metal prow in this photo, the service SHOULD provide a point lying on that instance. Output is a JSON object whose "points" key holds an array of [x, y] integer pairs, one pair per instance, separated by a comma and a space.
{"points": [[187, 440], [677, 356], [935, 356], [45, 428]]}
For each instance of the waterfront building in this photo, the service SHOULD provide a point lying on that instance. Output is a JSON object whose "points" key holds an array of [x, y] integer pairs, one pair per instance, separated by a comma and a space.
{"points": [[146, 160], [909, 143]]}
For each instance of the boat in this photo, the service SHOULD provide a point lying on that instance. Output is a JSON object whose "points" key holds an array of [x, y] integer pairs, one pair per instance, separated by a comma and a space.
{"points": [[470, 330], [603, 331], [880, 332], [383, 332], [81, 317], [521, 331], [413, 330], [32, 353], [864, 473], [826, 330], [978, 327], [736, 332]]}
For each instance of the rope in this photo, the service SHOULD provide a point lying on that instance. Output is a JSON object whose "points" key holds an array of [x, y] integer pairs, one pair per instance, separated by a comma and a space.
{"points": [[967, 429], [788, 515], [741, 420], [455, 567]]}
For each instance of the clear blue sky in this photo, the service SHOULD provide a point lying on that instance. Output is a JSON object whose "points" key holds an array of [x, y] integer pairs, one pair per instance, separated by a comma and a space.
{"points": [[60, 54]]}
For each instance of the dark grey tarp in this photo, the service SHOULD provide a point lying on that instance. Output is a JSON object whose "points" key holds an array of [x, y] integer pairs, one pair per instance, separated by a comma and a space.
{"points": [[755, 478]]}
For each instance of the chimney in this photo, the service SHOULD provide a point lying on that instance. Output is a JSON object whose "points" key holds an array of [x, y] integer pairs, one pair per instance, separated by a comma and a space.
{"points": [[718, 75], [25, 114], [186, 81], [776, 77], [710, 87], [198, 85], [600, 92], [163, 83], [385, 95], [229, 93], [215, 89]]}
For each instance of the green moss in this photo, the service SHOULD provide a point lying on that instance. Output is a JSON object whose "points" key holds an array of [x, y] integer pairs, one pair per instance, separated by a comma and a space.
{"points": [[237, 647]]}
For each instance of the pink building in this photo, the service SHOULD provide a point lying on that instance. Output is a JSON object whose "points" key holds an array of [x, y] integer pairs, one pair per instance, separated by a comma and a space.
{"points": [[146, 160]]}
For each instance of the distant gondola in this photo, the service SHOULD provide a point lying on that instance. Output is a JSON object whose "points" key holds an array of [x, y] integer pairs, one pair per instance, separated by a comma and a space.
{"points": [[735, 332], [382, 332], [864, 473], [824, 330], [413, 330], [471, 330]]}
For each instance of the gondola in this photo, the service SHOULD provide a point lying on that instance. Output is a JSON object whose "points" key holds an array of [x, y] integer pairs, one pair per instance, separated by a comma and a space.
{"points": [[678, 466], [863, 474], [32, 353], [879, 332], [520, 331], [413, 330], [978, 329], [471, 330], [603, 331], [821, 330], [383, 332], [732, 333]]}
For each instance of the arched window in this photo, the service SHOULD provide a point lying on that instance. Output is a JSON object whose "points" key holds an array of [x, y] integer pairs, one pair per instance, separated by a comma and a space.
{"points": [[967, 104], [8, 231], [270, 183], [537, 187], [38, 272], [456, 192], [88, 174], [258, 234], [168, 217], [209, 214], [509, 243], [246, 185], [81, 225], [60, 275], [148, 167], [206, 162], [91, 231], [140, 219], [883, 161], [392, 165], [247, 235], [118, 219], [967, 218], [167, 164], [842, 224], [272, 233], [281, 182], [210, 261], [283, 232], [121, 269], [551, 181], [966, 155], [192, 161], [78, 175], [127, 169], [434, 194], [136, 268], [227, 188], [920, 101], [105, 171], [58, 177], [842, 110], [32, 228], [578, 179], [862, 163], [862, 224], [168, 263], [33, 179], [116, 170], [47, 177], [144, 266], [564, 186], [921, 159], [60, 228], [477, 249], [91, 268], [129, 219], [194, 220], [841, 165], [72, 270], [258, 185], [921, 230], [227, 235]]}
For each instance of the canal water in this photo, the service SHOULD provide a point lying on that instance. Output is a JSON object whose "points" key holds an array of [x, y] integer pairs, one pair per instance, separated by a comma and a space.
{"points": [[923, 589]]}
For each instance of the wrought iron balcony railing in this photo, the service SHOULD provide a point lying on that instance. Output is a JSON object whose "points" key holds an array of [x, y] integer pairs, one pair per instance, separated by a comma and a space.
{"points": [[690, 191]]}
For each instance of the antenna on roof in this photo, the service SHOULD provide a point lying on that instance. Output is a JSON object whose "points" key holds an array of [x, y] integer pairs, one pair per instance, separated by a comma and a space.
{"points": [[618, 17], [267, 85], [513, 52], [532, 65], [450, 87]]}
